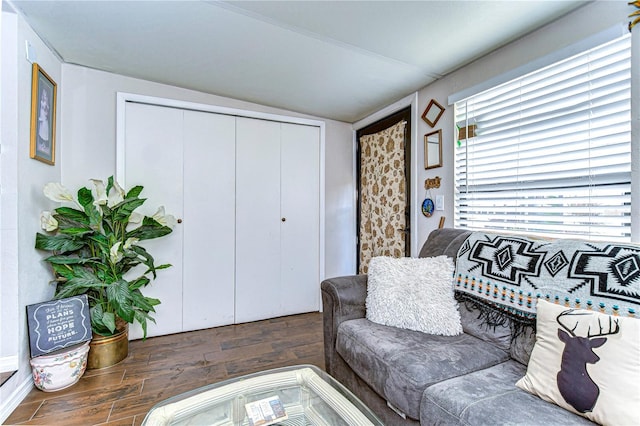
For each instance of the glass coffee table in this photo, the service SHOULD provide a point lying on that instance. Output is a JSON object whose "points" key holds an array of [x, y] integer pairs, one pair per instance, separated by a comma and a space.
{"points": [[298, 395]]}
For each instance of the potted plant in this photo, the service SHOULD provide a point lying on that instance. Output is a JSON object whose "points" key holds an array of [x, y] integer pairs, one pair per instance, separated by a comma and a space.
{"points": [[94, 245]]}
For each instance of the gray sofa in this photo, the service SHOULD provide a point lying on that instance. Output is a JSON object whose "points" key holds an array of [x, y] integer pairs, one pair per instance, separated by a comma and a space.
{"points": [[408, 377]]}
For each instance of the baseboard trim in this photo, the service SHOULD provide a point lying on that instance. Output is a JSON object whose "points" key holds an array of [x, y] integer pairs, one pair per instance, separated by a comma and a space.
{"points": [[7, 406], [9, 363]]}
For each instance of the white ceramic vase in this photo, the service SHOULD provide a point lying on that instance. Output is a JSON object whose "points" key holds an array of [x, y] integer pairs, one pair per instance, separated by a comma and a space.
{"points": [[58, 371]]}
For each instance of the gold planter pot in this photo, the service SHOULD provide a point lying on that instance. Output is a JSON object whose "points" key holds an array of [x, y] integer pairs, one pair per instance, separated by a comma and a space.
{"points": [[105, 351]]}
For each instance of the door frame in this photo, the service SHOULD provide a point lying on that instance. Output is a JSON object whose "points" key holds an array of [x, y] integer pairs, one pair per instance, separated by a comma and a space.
{"points": [[378, 126], [408, 101]]}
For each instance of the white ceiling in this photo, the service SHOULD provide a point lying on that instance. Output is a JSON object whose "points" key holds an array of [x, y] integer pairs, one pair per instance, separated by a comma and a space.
{"points": [[335, 59]]}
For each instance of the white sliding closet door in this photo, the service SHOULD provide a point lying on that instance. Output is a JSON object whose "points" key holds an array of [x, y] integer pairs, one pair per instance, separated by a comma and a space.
{"points": [[154, 160], [258, 284], [277, 219], [186, 161], [247, 192], [300, 205], [209, 220]]}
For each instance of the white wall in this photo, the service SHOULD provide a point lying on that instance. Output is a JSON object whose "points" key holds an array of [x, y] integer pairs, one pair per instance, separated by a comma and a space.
{"points": [[340, 212], [88, 146], [582, 23], [9, 201], [23, 179]]}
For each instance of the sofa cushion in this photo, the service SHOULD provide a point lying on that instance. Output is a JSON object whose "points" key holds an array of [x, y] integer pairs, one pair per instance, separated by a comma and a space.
{"points": [[399, 364], [413, 293], [474, 322], [522, 344], [490, 396]]}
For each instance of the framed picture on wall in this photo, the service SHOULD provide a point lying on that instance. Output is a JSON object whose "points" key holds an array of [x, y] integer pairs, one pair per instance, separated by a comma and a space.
{"points": [[43, 116], [432, 113]]}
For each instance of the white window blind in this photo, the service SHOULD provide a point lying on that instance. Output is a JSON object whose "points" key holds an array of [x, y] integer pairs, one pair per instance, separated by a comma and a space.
{"points": [[550, 152]]}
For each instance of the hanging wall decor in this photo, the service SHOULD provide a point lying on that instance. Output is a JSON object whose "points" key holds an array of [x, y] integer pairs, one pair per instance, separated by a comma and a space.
{"points": [[43, 116], [427, 207], [432, 113], [433, 150], [432, 183]]}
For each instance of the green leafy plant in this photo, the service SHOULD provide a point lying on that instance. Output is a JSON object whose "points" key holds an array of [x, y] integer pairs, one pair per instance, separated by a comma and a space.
{"points": [[95, 251]]}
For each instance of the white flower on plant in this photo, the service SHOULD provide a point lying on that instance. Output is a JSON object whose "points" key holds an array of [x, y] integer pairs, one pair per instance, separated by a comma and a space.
{"points": [[48, 222], [136, 217], [101, 193], [114, 254], [164, 219], [135, 220], [116, 195], [130, 241], [57, 192]]}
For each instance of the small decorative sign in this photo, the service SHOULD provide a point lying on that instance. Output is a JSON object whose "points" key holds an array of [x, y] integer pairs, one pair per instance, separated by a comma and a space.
{"points": [[58, 324]]}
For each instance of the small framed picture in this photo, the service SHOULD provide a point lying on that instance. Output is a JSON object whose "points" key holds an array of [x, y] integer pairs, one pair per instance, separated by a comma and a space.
{"points": [[433, 150], [432, 113], [43, 116]]}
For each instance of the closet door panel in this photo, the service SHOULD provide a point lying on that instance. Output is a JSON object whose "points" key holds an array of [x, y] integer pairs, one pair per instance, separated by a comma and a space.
{"points": [[208, 220], [258, 285], [154, 160], [300, 205], [247, 191]]}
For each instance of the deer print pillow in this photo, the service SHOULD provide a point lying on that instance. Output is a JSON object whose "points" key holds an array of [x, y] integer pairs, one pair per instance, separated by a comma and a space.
{"points": [[586, 362]]}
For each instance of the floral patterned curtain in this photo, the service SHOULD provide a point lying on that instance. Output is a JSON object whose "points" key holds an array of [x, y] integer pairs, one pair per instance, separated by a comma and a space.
{"points": [[383, 195]]}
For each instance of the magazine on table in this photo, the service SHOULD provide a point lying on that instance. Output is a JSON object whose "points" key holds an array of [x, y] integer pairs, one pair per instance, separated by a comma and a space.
{"points": [[265, 411]]}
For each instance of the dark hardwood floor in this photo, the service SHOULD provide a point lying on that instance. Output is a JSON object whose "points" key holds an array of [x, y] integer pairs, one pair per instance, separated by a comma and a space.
{"points": [[161, 367]]}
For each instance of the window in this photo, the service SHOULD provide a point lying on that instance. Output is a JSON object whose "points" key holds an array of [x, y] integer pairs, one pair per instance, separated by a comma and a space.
{"points": [[549, 153]]}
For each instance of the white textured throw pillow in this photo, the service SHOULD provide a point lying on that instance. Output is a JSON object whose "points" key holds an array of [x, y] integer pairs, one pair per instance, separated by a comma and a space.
{"points": [[413, 293], [586, 362]]}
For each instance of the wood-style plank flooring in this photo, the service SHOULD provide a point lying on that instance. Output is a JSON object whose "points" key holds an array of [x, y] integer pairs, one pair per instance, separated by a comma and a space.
{"points": [[161, 367]]}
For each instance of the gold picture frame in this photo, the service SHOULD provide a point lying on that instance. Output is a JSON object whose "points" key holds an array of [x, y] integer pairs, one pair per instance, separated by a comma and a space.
{"points": [[43, 116], [432, 113], [433, 150]]}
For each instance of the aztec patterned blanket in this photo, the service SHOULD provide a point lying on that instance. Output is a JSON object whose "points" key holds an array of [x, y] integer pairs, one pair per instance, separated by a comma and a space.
{"points": [[509, 273]]}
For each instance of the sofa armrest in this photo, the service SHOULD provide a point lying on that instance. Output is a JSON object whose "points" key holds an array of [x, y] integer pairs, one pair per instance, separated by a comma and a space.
{"points": [[343, 298]]}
